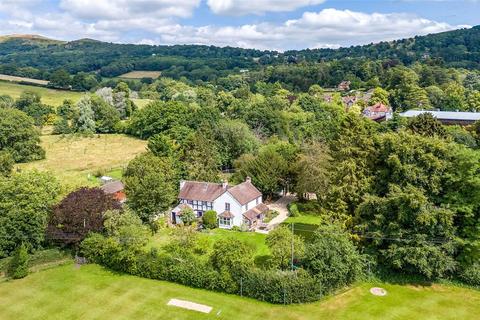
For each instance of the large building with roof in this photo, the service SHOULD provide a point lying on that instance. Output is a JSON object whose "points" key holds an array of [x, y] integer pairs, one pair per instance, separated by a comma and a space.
{"points": [[447, 117], [239, 205]]}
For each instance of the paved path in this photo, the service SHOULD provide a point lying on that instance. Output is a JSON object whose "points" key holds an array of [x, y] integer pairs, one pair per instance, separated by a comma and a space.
{"points": [[281, 207]]}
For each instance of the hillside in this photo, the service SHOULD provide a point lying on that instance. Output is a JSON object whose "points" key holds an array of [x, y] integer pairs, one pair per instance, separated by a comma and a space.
{"points": [[28, 37], [36, 56], [458, 48]]}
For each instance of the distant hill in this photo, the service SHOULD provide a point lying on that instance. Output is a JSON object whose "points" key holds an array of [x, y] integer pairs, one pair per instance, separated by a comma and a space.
{"points": [[29, 38], [457, 48], [36, 56]]}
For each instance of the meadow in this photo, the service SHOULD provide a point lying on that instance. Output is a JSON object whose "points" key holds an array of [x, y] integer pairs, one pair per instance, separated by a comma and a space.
{"points": [[75, 160], [7, 77], [141, 74], [92, 292], [49, 96]]}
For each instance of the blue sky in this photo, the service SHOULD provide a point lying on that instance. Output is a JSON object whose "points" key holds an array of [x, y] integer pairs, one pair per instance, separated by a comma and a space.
{"points": [[263, 24]]}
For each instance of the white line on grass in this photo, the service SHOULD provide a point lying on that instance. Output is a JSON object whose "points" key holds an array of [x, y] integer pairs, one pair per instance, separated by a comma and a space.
{"points": [[189, 305]]}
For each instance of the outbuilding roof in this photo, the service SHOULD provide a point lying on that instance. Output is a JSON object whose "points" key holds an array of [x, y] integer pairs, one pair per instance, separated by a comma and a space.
{"points": [[112, 187], [444, 115]]}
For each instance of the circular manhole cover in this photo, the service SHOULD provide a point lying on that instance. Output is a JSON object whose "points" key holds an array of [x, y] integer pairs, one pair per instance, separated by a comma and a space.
{"points": [[378, 291]]}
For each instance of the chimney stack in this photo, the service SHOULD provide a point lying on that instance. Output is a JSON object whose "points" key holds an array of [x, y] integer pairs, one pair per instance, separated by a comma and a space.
{"points": [[224, 184], [182, 183], [248, 179]]}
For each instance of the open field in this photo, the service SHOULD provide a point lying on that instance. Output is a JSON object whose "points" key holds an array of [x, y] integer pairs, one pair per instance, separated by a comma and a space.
{"points": [[92, 292], [141, 103], [71, 159], [6, 77], [49, 96], [141, 74]]}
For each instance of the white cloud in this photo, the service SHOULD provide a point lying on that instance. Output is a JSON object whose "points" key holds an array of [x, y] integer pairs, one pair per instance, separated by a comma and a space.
{"points": [[127, 9], [243, 7], [329, 28]]}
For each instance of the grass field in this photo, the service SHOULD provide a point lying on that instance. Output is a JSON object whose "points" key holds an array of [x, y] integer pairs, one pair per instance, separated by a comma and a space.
{"points": [[304, 219], [257, 240], [141, 103], [141, 74], [6, 77], [71, 159], [49, 96], [91, 292]]}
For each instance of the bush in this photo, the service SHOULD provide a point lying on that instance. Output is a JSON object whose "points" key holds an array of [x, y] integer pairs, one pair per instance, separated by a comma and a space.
{"points": [[209, 219], [293, 209], [194, 271], [281, 287], [332, 258], [18, 267], [471, 275]]}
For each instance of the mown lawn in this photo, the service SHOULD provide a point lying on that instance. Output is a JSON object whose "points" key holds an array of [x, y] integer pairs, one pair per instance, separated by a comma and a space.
{"points": [[257, 240], [75, 160], [49, 96], [91, 292], [304, 219]]}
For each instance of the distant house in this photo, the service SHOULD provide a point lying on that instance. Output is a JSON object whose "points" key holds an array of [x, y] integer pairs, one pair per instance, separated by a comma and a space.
{"points": [[116, 189], [328, 98], [235, 205], [447, 117], [349, 101], [344, 85], [378, 112]]}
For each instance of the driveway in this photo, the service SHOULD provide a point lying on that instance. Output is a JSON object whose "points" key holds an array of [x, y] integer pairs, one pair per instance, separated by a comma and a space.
{"points": [[281, 207]]}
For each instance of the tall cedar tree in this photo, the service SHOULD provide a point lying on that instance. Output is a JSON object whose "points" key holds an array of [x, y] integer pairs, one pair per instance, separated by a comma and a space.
{"points": [[79, 213]]}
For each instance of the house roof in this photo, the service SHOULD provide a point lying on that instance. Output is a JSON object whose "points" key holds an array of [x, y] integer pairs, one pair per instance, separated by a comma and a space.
{"points": [[444, 115], [112, 187], [201, 191], [254, 212], [378, 107], [207, 191], [226, 214], [244, 192]]}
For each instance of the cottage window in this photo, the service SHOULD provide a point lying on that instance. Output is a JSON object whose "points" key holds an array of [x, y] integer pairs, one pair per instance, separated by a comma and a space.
{"points": [[246, 206], [227, 206], [224, 221], [257, 201]]}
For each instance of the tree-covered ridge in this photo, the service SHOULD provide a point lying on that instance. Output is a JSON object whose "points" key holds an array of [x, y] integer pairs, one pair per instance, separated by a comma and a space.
{"points": [[458, 48], [38, 58]]}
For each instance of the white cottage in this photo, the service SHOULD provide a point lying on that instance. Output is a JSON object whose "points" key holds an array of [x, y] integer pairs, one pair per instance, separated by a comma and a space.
{"points": [[235, 205]]}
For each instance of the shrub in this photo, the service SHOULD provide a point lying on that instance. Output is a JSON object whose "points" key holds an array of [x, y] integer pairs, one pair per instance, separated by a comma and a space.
{"points": [[209, 219], [188, 216], [18, 267], [332, 258], [281, 287], [293, 210], [471, 275]]}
